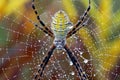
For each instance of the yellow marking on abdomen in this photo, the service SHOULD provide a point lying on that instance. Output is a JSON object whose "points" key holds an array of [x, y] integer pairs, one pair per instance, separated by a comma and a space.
{"points": [[59, 24]]}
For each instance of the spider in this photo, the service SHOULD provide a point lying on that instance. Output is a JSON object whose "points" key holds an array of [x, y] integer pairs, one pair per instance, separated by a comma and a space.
{"points": [[60, 31]]}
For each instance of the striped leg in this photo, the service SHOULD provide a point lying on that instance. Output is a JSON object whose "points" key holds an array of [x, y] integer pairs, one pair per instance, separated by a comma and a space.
{"points": [[44, 63], [80, 22], [82, 74], [44, 29]]}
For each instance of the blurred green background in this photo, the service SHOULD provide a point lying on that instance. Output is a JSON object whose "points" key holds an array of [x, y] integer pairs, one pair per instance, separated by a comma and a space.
{"points": [[23, 47]]}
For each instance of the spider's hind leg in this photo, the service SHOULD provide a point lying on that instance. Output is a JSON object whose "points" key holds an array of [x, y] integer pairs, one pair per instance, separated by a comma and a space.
{"points": [[75, 62], [44, 63]]}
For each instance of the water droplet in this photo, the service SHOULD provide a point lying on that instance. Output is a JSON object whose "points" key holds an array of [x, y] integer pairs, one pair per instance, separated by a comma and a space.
{"points": [[71, 63], [72, 73], [38, 65], [43, 53], [81, 53], [38, 40], [85, 61], [94, 75]]}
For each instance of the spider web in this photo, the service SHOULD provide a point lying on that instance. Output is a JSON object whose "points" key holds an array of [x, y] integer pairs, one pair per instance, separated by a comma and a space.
{"points": [[23, 46]]}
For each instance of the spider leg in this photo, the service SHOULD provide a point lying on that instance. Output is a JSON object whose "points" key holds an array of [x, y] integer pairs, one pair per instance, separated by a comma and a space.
{"points": [[75, 62], [44, 63], [82, 25], [46, 29], [80, 22]]}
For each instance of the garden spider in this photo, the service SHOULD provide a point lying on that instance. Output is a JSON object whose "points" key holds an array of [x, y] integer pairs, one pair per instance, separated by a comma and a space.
{"points": [[60, 32]]}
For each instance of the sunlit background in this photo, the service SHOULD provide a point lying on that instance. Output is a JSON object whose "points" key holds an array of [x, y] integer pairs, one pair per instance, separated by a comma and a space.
{"points": [[23, 46]]}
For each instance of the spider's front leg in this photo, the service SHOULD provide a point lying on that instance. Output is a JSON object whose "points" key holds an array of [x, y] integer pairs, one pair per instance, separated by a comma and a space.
{"points": [[44, 63], [75, 62], [44, 28], [79, 23]]}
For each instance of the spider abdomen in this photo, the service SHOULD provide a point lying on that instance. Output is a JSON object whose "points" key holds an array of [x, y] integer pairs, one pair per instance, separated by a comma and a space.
{"points": [[60, 25]]}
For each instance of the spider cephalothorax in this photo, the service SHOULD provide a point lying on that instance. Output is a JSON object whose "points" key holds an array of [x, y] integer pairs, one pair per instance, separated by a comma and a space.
{"points": [[61, 29]]}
